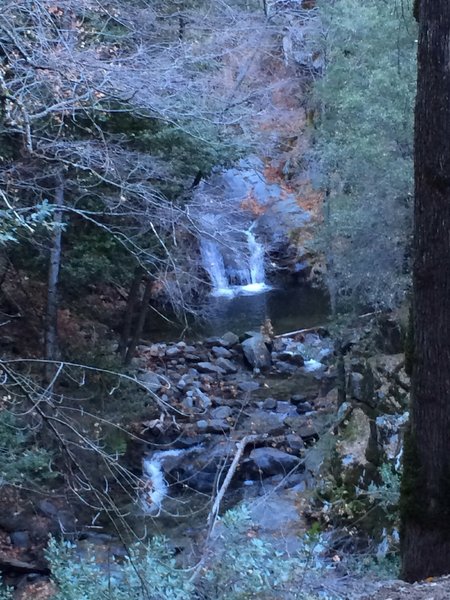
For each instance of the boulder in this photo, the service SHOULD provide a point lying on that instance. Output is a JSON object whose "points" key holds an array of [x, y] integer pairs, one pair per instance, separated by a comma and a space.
{"points": [[173, 352], [208, 367], [355, 385], [271, 461], [352, 445], [256, 352], [291, 357], [263, 422], [248, 386], [201, 400], [285, 367], [198, 466], [298, 398], [295, 442], [285, 408], [304, 407], [221, 412], [214, 426], [151, 381], [226, 365], [221, 352], [229, 339], [270, 404], [305, 427]]}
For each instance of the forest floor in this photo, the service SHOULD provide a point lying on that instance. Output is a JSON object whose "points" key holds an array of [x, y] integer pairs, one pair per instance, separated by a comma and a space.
{"points": [[432, 589]]}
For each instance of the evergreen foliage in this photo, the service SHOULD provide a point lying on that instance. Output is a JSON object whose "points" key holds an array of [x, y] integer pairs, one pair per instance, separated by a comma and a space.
{"points": [[243, 567], [364, 146], [21, 462]]}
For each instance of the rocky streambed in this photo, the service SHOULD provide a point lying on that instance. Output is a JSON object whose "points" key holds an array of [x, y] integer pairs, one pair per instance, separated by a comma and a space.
{"points": [[303, 438], [298, 433]]}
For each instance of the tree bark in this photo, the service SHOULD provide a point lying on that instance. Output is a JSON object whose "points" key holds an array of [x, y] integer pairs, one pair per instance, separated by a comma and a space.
{"points": [[425, 494], [51, 320], [133, 298], [140, 322]]}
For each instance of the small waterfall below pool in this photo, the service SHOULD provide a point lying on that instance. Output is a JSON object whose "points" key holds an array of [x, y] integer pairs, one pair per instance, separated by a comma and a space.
{"points": [[235, 270]]}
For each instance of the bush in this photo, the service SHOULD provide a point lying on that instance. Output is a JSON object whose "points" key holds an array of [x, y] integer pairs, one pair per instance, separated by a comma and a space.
{"points": [[21, 463]]}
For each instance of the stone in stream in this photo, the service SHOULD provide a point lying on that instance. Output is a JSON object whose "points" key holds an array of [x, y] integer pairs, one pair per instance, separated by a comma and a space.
{"points": [[304, 427], [256, 352], [270, 404], [173, 352], [213, 426], [285, 407], [197, 467], [192, 357], [197, 399], [226, 365], [304, 407], [208, 367], [285, 367], [20, 539], [221, 352], [226, 340], [295, 442], [248, 386], [263, 422], [298, 398], [271, 461], [291, 357], [157, 350], [151, 381], [229, 339], [221, 412], [182, 383]]}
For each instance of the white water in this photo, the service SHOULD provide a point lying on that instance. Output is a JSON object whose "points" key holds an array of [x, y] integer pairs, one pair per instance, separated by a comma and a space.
{"points": [[212, 261], [232, 272], [155, 484]]}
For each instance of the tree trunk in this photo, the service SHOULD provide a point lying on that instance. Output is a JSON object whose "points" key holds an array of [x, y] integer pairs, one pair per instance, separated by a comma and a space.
{"points": [[51, 320], [140, 322], [329, 256], [132, 300], [425, 500], [340, 375]]}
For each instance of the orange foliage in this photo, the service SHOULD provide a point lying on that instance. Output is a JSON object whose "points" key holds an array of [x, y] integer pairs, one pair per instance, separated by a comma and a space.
{"points": [[251, 204]]}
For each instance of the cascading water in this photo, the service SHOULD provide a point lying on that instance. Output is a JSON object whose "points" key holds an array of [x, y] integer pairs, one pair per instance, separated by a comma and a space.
{"points": [[256, 263], [213, 263], [235, 272]]}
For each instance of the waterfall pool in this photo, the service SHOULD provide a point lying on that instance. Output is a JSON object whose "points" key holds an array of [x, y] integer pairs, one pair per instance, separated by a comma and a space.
{"points": [[289, 308]]}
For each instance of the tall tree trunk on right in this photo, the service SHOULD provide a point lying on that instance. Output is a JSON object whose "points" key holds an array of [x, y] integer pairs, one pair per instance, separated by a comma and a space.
{"points": [[425, 498]]}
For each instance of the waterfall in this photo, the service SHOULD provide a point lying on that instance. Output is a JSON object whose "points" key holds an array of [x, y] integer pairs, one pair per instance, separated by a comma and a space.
{"points": [[256, 260], [155, 486], [232, 271], [213, 263]]}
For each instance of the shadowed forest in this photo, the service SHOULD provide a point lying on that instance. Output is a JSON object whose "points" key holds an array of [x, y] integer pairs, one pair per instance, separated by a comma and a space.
{"points": [[207, 320]]}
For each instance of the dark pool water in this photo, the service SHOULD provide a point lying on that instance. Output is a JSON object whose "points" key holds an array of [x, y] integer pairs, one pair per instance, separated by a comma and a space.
{"points": [[288, 308]]}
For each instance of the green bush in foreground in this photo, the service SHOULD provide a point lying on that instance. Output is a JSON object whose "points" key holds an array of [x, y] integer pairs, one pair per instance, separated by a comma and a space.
{"points": [[241, 567]]}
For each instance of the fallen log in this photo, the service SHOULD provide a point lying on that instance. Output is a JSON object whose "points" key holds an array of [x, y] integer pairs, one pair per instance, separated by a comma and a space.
{"points": [[316, 329]]}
